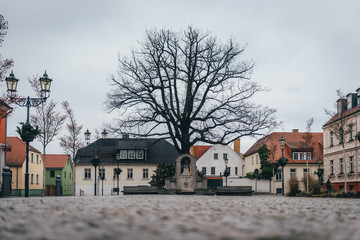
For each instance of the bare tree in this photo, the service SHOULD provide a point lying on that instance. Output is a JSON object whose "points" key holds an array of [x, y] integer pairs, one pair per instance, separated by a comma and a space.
{"points": [[5, 65], [308, 145], [339, 126], [71, 143], [187, 87], [48, 119]]}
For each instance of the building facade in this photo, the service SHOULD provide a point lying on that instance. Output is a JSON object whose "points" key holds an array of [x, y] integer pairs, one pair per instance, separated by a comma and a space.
{"points": [[302, 158], [58, 164], [341, 158], [213, 162], [4, 110], [137, 158], [16, 160]]}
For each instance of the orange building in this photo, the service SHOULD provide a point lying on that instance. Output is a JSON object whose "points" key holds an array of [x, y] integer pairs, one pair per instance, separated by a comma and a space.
{"points": [[4, 110], [302, 160]]}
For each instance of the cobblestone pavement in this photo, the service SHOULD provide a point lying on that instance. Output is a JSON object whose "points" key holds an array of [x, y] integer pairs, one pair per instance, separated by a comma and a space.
{"points": [[179, 217]]}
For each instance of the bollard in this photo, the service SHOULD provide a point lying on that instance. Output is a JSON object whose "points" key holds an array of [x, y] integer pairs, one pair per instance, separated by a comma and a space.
{"points": [[58, 191], [6, 186]]}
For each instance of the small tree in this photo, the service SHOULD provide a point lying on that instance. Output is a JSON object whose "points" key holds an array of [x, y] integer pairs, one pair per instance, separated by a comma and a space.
{"points": [[294, 186], [27, 132], [49, 120], [162, 172]]}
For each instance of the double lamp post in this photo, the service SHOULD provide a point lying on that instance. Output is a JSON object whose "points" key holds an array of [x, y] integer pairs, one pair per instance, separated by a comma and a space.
{"points": [[11, 83]]}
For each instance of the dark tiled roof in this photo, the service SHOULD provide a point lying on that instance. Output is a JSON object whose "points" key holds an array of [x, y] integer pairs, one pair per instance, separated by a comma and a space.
{"points": [[157, 151]]}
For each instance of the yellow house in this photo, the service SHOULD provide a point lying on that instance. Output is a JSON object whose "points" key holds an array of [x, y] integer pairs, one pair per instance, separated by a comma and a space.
{"points": [[16, 160]]}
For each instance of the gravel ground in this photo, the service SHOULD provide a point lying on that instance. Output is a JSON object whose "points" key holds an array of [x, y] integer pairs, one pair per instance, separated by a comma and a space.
{"points": [[179, 217]]}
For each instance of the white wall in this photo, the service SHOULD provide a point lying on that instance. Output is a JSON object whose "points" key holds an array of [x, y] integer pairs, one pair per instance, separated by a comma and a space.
{"points": [[257, 185], [207, 160]]}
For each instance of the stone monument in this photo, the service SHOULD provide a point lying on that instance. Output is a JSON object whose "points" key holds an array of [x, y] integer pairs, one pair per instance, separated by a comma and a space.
{"points": [[186, 179]]}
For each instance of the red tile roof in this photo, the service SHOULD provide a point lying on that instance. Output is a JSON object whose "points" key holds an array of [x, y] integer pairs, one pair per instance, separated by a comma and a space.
{"points": [[294, 141], [198, 151], [55, 160], [17, 155]]}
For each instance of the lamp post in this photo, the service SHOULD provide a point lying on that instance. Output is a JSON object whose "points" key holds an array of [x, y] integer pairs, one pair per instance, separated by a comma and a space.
{"points": [[226, 172], [95, 161], [320, 171], [283, 162], [11, 83]]}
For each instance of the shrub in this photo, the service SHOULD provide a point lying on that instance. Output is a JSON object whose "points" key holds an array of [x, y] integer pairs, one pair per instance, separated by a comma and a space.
{"points": [[314, 185], [294, 186]]}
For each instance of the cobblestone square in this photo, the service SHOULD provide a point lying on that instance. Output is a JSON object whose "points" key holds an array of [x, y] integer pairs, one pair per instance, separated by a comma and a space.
{"points": [[179, 217]]}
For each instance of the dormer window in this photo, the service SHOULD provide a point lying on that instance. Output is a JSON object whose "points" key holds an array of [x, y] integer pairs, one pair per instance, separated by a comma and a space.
{"points": [[131, 154], [123, 154], [139, 154], [302, 156], [349, 101]]}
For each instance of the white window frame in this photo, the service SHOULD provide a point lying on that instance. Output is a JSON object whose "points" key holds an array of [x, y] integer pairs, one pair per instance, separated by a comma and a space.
{"points": [[236, 171], [131, 154], [351, 160], [332, 167], [139, 154], [293, 172], [341, 162], [216, 156], [225, 156], [212, 170], [87, 173], [203, 170], [130, 173], [102, 172], [278, 176], [123, 154], [145, 173]]}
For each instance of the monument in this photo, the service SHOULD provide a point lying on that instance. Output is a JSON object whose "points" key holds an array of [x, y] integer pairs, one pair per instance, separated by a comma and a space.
{"points": [[186, 179]]}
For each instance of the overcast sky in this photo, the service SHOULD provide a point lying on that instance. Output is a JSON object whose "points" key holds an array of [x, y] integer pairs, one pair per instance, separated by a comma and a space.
{"points": [[303, 50]]}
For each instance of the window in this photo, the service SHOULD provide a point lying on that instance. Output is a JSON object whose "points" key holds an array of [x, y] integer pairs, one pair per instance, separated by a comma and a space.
{"points": [[252, 160], [145, 173], [302, 156], [131, 154], [203, 170], [87, 173], [64, 174], [351, 188], [278, 191], [52, 173], [351, 160], [306, 171], [229, 170], [225, 156], [32, 157], [278, 176], [32, 178], [351, 132], [139, 154], [212, 170], [293, 172], [70, 175], [332, 167], [216, 156], [341, 166], [236, 170], [257, 160], [37, 158], [123, 154], [37, 178], [130, 173], [331, 139], [102, 173]]}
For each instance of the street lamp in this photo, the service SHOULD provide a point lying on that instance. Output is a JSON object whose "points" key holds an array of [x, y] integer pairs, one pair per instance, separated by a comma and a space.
{"points": [[226, 172], [320, 171], [95, 161], [11, 83], [87, 136], [282, 162]]}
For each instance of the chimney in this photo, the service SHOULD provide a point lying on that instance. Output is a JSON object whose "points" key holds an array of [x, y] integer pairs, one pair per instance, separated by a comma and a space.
{"points": [[341, 106], [125, 136], [295, 130], [358, 96], [237, 145]]}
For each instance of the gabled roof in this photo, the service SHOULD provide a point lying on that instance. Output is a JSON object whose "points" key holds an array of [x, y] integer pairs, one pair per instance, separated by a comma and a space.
{"points": [[198, 151], [17, 155], [294, 141], [55, 160], [156, 151]]}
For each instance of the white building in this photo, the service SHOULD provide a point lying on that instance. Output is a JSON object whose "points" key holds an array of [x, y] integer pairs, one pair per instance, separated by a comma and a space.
{"points": [[214, 160]]}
